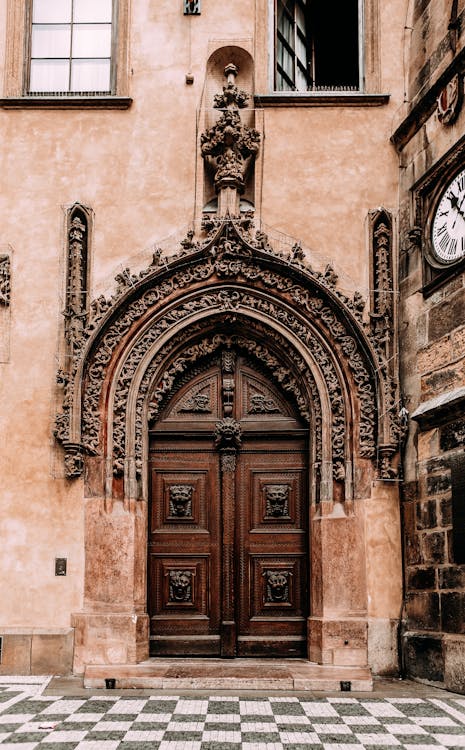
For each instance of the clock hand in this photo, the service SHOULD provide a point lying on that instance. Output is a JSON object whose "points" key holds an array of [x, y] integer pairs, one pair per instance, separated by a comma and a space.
{"points": [[454, 200], [458, 207]]}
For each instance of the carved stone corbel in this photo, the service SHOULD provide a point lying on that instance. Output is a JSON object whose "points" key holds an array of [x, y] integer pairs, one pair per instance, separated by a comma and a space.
{"points": [[74, 460], [385, 468]]}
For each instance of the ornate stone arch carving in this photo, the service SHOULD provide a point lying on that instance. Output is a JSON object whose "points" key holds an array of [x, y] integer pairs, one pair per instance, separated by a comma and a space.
{"points": [[135, 342]]}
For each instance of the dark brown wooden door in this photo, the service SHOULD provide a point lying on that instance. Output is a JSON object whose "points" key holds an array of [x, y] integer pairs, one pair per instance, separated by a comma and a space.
{"points": [[271, 547], [228, 542]]}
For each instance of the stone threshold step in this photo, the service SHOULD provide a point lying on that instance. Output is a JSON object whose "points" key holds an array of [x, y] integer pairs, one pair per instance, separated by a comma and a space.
{"points": [[235, 674]]}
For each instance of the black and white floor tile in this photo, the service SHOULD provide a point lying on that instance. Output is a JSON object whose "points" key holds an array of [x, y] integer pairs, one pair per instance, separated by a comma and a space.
{"points": [[30, 719]]}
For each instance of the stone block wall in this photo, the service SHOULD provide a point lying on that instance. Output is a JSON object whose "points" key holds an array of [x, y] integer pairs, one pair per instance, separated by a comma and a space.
{"points": [[435, 27], [434, 582], [432, 352], [434, 572]]}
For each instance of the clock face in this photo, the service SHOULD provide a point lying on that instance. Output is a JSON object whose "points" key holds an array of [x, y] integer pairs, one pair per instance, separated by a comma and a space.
{"points": [[448, 229]]}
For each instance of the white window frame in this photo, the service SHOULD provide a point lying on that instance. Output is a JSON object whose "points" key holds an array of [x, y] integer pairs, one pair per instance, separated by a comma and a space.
{"points": [[69, 91]]}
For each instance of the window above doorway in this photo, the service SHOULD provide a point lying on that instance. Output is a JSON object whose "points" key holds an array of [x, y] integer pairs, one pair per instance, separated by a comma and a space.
{"points": [[318, 48], [70, 47], [67, 54]]}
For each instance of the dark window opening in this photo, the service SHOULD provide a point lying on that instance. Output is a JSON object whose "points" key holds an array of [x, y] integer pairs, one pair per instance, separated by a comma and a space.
{"points": [[457, 466], [317, 47]]}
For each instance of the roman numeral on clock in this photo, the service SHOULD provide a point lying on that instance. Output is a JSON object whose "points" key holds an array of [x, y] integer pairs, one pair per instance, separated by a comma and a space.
{"points": [[440, 231]]}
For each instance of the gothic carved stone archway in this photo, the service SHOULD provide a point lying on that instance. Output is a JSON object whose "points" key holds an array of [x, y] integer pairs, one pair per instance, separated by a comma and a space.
{"points": [[231, 275], [231, 286]]}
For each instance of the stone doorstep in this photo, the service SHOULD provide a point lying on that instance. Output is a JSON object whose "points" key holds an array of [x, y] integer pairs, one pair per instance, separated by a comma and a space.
{"points": [[219, 674]]}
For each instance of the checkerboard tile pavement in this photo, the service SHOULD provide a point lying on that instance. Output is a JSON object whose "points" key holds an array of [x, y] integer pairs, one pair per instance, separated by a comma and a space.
{"points": [[29, 719]]}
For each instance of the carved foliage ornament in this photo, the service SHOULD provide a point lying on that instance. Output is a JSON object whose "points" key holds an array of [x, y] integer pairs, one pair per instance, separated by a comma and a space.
{"points": [[230, 145], [222, 301], [153, 286], [382, 333]]}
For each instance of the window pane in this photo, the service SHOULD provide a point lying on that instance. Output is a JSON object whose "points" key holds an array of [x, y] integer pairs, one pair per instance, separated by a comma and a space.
{"points": [[287, 30], [282, 84], [286, 61], [301, 51], [92, 41], [88, 11], [90, 75], [49, 75], [51, 11], [51, 41], [300, 18]]}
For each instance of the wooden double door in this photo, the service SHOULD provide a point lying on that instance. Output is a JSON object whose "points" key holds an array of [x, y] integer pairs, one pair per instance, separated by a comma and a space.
{"points": [[228, 519]]}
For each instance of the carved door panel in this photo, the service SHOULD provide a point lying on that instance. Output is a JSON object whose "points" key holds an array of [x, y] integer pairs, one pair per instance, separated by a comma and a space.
{"points": [[271, 539], [184, 548], [228, 520]]}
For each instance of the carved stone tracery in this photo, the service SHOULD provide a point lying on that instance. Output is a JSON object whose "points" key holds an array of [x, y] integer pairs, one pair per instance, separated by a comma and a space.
{"points": [[382, 333], [5, 280], [255, 272], [76, 303]]}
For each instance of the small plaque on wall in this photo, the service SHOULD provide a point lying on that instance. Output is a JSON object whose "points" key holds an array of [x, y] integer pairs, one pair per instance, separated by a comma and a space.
{"points": [[60, 566]]}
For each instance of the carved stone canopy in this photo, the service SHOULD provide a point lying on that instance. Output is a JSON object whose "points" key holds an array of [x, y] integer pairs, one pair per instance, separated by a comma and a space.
{"points": [[230, 283]]}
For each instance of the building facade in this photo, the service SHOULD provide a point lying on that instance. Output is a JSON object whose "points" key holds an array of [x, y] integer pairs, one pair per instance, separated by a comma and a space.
{"points": [[215, 312]]}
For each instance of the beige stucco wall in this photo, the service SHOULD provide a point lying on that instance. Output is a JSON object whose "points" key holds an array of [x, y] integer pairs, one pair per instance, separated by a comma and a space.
{"points": [[324, 168]]}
